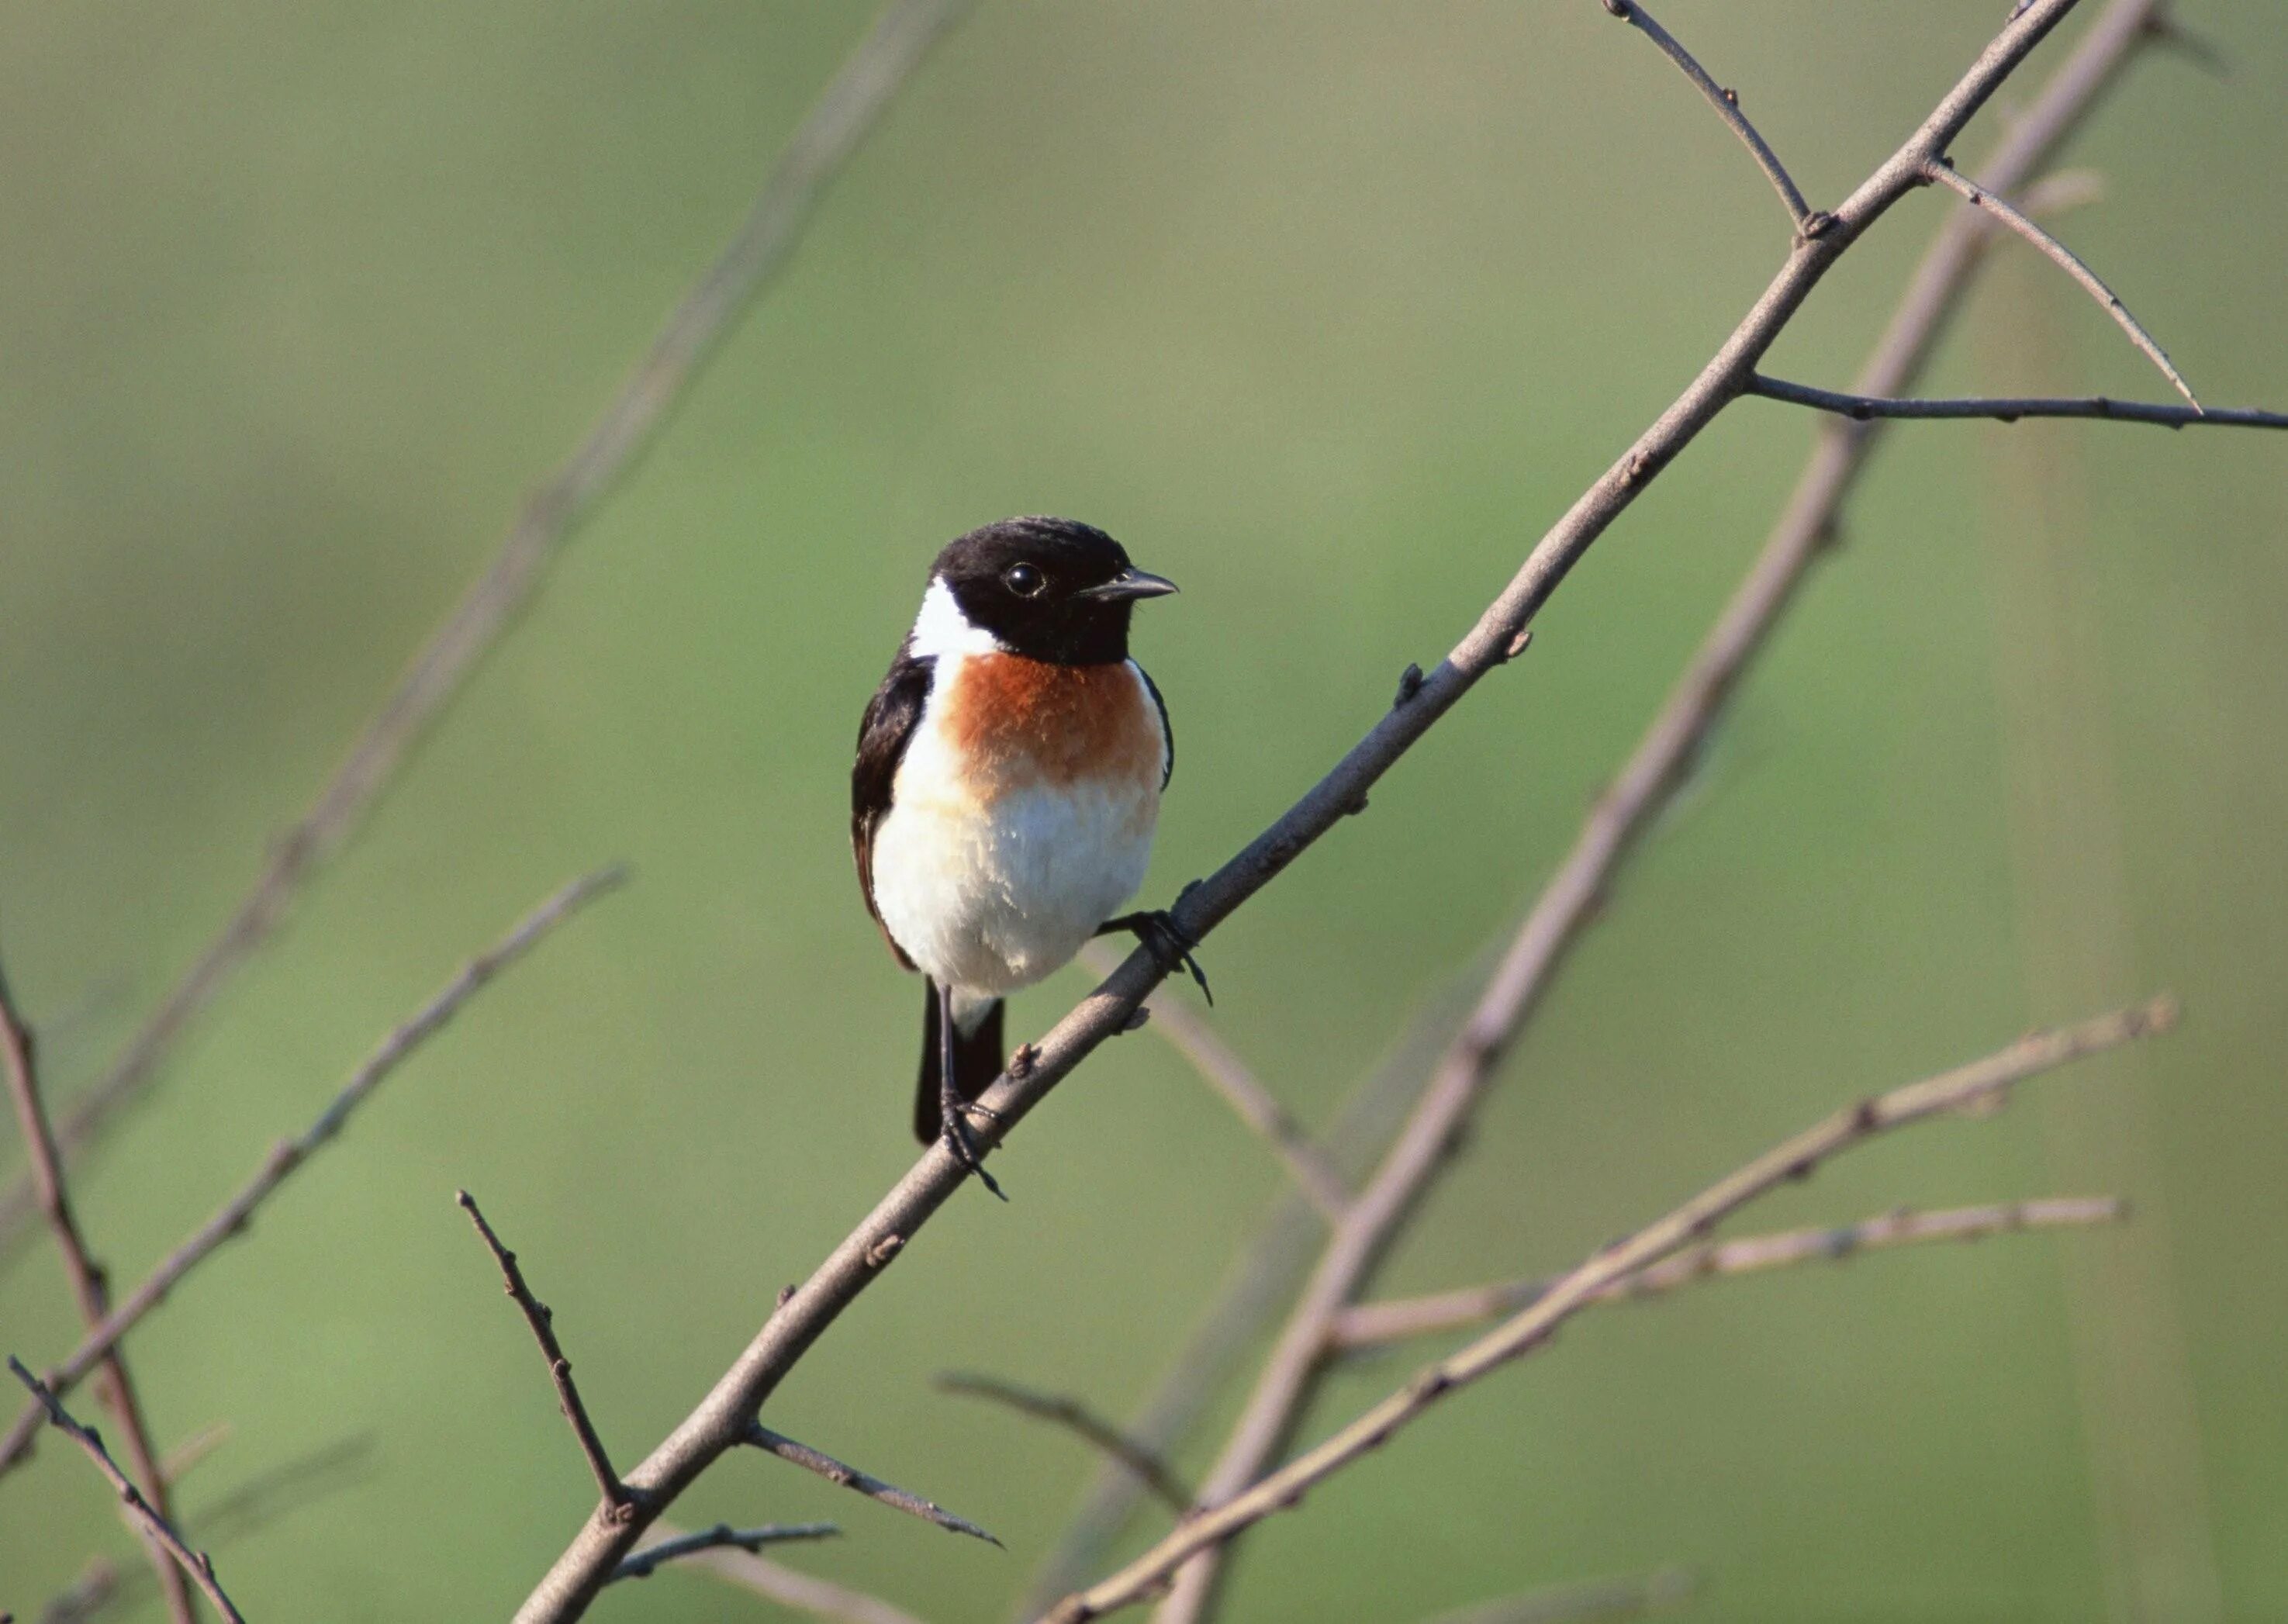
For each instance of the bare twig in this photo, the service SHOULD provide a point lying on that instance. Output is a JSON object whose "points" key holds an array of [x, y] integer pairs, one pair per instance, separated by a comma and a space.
{"points": [[539, 1316], [1193, 1038], [1728, 107], [1063, 1410], [91, 1291], [237, 1213], [722, 1419], [720, 1537], [1263, 1274], [1977, 1087], [803, 1592], [193, 1564], [2010, 410], [760, 1437], [1946, 175], [1660, 761], [1368, 1325], [1596, 1598], [839, 121]]}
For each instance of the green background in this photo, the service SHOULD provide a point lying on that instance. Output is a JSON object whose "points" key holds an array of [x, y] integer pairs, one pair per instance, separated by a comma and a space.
{"points": [[1327, 311]]}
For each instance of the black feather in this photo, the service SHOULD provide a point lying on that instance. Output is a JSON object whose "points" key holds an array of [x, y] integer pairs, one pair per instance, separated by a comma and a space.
{"points": [[977, 1061], [891, 717]]}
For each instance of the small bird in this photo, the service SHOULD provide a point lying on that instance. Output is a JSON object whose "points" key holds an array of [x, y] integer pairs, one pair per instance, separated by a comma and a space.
{"points": [[1006, 788]]}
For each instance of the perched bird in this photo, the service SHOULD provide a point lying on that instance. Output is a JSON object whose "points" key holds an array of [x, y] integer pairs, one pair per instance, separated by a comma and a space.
{"points": [[1007, 783]]}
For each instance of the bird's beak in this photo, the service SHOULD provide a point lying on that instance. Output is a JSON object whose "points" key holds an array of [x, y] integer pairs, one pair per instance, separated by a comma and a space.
{"points": [[1129, 583]]}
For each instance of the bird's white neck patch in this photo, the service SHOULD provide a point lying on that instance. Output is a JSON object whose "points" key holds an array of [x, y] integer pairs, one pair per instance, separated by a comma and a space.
{"points": [[942, 630]]}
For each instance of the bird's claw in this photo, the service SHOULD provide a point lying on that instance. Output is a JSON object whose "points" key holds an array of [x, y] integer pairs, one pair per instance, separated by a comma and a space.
{"points": [[1170, 945]]}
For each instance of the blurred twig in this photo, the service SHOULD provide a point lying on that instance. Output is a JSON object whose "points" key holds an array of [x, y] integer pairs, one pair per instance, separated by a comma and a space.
{"points": [[837, 123], [1368, 1325], [237, 1213], [1193, 1038], [1063, 1410], [776, 1582], [1661, 760], [648, 1561], [543, 1322], [1976, 1087], [193, 1564], [91, 1294]]}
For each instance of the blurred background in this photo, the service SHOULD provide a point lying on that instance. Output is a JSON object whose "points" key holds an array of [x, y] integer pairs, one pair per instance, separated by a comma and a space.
{"points": [[1326, 309]]}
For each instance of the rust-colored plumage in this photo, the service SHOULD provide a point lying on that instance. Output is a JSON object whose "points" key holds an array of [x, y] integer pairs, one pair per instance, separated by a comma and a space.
{"points": [[1015, 721]]}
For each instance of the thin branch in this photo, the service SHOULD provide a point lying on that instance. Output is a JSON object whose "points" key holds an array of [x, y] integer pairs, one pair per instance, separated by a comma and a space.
{"points": [[237, 1214], [1946, 175], [1727, 104], [1977, 1088], [1221, 1068], [838, 122], [91, 1290], [803, 1592], [1369, 1324], [539, 1316], [1661, 760], [1596, 1598], [1263, 1274], [200, 1569], [760, 1437], [722, 1419], [720, 1537], [1063, 1410], [1860, 408]]}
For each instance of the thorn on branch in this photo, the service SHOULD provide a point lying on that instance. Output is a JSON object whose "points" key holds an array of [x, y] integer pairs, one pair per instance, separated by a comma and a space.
{"points": [[1065, 1411], [1410, 684], [720, 1537], [760, 1437]]}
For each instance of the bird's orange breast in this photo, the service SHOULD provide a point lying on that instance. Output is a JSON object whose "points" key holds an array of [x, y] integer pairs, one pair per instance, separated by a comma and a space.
{"points": [[1016, 722]]}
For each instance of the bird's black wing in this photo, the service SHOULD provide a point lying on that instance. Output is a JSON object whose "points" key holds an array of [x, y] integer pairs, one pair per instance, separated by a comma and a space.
{"points": [[891, 717], [1167, 729]]}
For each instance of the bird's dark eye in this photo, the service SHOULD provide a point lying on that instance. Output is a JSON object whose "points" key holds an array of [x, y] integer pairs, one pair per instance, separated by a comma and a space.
{"points": [[1023, 579]]}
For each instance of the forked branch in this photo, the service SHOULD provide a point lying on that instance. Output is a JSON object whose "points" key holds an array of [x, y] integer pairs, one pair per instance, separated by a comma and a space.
{"points": [[1976, 1086], [237, 1213], [1371, 1325], [1945, 174], [194, 1564]]}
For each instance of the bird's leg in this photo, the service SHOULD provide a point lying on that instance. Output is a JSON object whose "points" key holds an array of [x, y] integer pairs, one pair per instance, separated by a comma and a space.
{"points": [[951, 1105], [1164, 939]]}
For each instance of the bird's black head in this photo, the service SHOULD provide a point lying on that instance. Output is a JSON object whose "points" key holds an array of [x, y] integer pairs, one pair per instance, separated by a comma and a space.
{"points": [[1049, 589]]}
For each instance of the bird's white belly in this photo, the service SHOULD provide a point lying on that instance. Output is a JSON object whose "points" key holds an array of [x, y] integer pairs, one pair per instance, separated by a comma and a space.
{"points": [[988, 897]]}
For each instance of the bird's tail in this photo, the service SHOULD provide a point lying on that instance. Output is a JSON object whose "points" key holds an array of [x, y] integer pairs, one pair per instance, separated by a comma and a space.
{"points": [[977, 1059]]}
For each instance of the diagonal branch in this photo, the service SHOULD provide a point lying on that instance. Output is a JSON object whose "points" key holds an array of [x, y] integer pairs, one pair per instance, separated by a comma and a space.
{"points": [[1373, 1324], [91, 1291], [722, 1419], [237, 1213], [1943, 172], [1863, 409], [1063, 1410], [837, 123], [1978, 1088], [1727, 104], [1223, 1070], [760, 1437], [193, 1564], [1661, 759], [648, 1561], [542, 1321]]}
